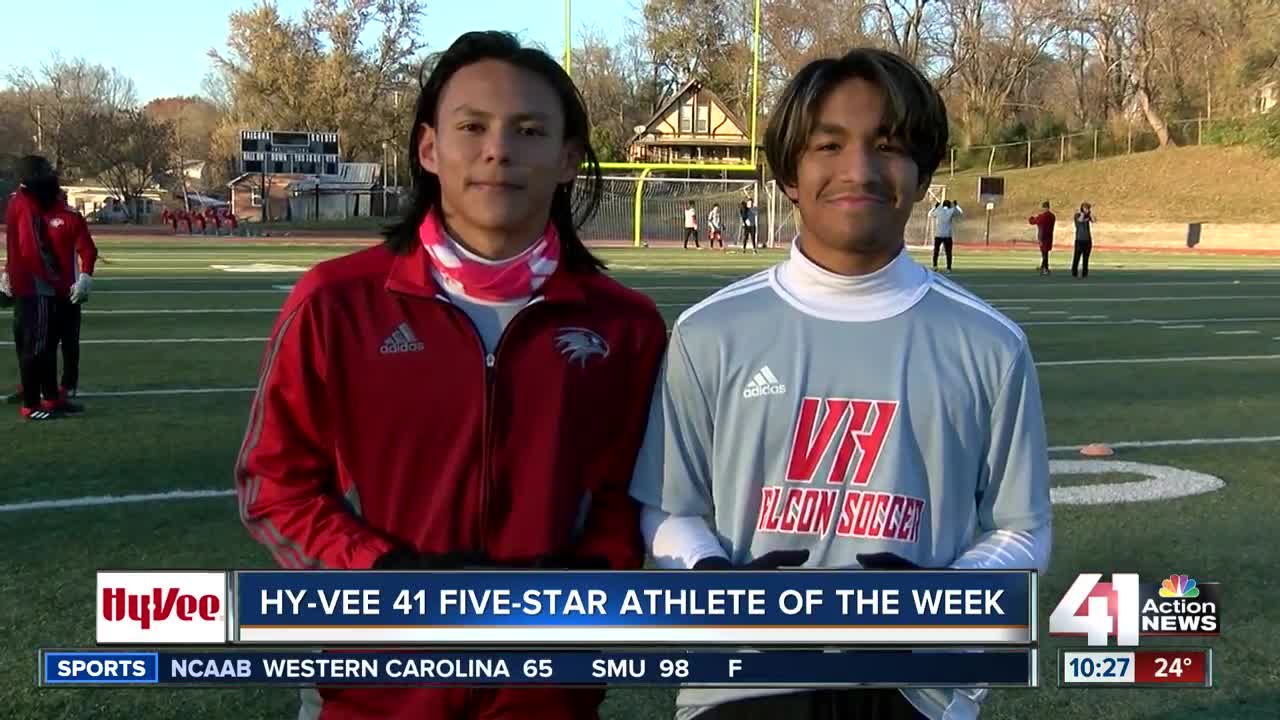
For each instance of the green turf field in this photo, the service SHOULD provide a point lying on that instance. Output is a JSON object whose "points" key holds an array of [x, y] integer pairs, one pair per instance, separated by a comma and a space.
{"points": [[1151, 349]]}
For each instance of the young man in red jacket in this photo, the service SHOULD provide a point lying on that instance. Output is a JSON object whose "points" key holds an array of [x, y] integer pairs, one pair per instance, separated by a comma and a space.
{"points": [[1044, 222], [474, 391], [32, 278]]}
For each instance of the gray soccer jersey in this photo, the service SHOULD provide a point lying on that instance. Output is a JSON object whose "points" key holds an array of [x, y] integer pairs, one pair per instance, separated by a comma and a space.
{"points": [[910, 426]]}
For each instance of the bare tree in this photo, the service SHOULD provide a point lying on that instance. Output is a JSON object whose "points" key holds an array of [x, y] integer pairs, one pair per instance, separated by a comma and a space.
{"points": [[61, 97], [129, 153], [992, 47]]}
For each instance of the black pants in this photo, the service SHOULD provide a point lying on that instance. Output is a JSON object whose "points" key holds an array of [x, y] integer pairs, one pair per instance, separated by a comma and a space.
{"points": [[1044, 259], [35, 323], [857, 704], [749, 233], [68, 332], [1083, 249], [691, 233], [938, 244]]}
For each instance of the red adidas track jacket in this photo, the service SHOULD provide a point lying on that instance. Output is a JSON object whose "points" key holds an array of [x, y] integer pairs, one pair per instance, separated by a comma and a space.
{"points": [[380, 419]]}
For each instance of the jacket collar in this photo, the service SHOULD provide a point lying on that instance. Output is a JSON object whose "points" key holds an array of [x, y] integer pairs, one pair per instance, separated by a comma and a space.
{"points": [[411, 274]]}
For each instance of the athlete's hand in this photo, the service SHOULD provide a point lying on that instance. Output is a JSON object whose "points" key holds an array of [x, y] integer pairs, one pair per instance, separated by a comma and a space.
{"points": [[80, 290], [4, 285], [885, 561], [768, 561]]}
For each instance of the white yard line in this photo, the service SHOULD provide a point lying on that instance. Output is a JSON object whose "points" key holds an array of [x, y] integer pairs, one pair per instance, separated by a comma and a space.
{"points": [[100, 500], [1181, 327], [1236, 332], [219, 277], [1157, 361], [1141, 321], [96, 500], [183, 311], [1175, 443], [1172, 298], [158, 341], [1044, 363], [161, 392], [200, 291], [1087, 317], [1048, 312]]}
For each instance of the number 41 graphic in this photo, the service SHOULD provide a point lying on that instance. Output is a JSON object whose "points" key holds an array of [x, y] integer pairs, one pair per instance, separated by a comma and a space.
{"points": [[1097, 609]]}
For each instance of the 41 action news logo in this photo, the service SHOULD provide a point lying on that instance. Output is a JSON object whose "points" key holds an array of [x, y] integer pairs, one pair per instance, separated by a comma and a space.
{"points": [[1127, 609]]}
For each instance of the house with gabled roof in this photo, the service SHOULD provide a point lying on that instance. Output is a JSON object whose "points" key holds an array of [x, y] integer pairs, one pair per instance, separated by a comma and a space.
{"points": [[693, 126]]}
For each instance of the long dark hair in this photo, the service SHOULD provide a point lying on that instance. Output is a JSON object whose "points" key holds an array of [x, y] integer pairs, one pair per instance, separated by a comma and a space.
{"points": [[39, 180], [571, 206]]}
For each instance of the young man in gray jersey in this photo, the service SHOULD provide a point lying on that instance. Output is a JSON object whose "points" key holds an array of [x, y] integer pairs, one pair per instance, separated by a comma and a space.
{"points": [[847, 408]]}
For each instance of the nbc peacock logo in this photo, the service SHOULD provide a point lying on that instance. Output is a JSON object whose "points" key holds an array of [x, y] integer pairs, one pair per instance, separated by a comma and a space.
{"points": [[1179, 586]]}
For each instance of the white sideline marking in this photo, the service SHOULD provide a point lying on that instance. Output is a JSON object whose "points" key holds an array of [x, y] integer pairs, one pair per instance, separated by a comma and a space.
{"points": [[220, 279], [1048, 312], [1173, 298], [1087, 317], [275, 290], [1156, 361], [183, 311], [1140, 321], [1236, 332], [1181, 327], [160, 341], [95, 500], [1014, 307], [98, 500], [1257, 439]]}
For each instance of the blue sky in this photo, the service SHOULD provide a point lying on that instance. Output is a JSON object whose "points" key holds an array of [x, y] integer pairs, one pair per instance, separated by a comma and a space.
{"points": [[144, 40]]}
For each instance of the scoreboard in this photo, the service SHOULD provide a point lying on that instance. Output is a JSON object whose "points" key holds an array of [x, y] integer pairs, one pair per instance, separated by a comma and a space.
{"points": [[295, 152]]}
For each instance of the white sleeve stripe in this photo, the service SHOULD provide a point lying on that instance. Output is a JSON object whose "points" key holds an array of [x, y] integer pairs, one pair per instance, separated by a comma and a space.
{"points": [[751, 284], [677, 541], [950, 290], [1009, 550]]}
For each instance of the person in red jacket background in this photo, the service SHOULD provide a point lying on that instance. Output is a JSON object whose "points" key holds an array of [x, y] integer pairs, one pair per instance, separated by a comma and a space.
{"points": [[69, 234], [32, 278], [1044, 222], [473, 391]]}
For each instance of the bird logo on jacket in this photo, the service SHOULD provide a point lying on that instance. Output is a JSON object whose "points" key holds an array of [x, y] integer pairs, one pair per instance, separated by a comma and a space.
{"points": [[578, 345]]}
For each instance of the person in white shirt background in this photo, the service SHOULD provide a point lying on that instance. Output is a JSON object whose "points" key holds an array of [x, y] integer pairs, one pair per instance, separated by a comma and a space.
{"points": [[691, 226], [943, 217]]}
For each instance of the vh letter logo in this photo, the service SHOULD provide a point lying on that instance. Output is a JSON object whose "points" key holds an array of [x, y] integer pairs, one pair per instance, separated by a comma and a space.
{"points": [[1097, 609], [162, 608], [822, 424]]}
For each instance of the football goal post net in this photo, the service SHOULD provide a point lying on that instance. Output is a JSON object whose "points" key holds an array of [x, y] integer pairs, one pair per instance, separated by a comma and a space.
{"points": [[648, 211], [784, 217]]}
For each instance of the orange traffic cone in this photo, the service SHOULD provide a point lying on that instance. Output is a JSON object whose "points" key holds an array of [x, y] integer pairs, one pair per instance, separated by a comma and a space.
{"points": [[1097, 450]]}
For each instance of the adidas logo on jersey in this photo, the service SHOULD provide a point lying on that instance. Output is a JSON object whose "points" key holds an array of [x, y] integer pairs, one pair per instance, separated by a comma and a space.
{"points": [[764, 383], [402, 340]]}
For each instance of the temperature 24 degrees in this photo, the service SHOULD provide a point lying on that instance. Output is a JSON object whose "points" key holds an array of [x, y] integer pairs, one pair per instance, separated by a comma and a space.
{"points": [[1138, 668]]}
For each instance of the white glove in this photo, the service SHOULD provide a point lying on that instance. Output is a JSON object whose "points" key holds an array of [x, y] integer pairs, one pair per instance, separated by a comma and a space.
{"points": [[80, 291], [4, 285]]}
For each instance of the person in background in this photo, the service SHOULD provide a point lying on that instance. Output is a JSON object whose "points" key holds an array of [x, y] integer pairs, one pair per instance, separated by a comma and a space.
{"points": [[473, 391], [840, 364], [750, 222], [1084, 241], [942, 229], [715, 231], [691, 226], [1044, 221], [72, 241], [32, 277]]}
